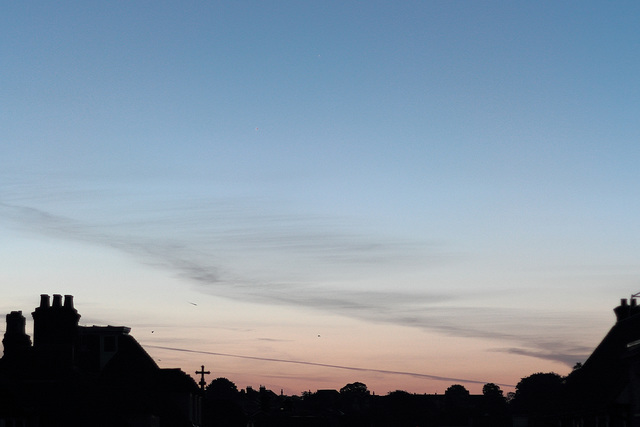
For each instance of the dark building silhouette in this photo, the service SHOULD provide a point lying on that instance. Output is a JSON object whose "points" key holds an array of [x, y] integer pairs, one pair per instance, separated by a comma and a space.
{"points": [[605, 390], [86, 375], [101, 376], [602, 392]]}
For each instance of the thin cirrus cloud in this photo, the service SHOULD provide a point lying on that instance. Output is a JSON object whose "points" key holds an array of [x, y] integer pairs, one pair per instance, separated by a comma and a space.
{"points": [[570, 356], [185, 252]]}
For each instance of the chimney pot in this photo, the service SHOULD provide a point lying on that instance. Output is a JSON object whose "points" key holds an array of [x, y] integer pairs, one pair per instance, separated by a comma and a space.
{"points": [[44, 300], [57, 300], [68, 301], [623, 302]]}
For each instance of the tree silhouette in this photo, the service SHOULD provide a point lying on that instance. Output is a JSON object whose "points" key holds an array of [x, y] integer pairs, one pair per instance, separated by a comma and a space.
{"points": [[492, 391], [456, 394], [494, 406], [222, 405], [355, 400], [355, 389], [539, 394], [221, 388], [456, 405]]}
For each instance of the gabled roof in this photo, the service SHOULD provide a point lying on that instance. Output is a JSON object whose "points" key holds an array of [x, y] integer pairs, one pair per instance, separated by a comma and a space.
{"points": [[130, 359], [177, 380]]}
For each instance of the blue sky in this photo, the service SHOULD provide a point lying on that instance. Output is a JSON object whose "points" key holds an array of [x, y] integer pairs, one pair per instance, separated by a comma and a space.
{"points": [[460, 173]]}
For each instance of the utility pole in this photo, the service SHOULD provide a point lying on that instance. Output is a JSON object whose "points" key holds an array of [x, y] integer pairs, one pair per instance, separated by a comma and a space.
{"points": [[202, 373]]}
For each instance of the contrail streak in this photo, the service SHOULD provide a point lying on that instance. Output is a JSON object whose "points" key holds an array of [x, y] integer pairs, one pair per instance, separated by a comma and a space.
{"points": [[326, 365]]}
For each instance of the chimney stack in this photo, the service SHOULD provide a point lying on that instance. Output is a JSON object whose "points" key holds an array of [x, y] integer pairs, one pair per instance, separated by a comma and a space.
{"points": [[627, 308], [16, 342], [55, 330]]}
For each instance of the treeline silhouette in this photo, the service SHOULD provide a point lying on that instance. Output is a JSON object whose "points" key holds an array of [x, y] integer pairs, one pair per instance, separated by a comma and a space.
{"points": [[602, 392], [537, 398]]}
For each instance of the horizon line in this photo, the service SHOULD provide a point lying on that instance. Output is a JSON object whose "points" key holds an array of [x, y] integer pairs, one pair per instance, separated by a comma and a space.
{"points": [[327, 365]]}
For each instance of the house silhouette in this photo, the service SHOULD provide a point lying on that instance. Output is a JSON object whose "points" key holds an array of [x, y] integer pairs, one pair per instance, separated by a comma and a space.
{"points": [[86, 375], [605, 390]]}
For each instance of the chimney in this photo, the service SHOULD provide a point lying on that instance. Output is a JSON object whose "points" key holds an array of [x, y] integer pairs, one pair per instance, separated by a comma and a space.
{"points": [[44, 301], [16, 342], [627, 308], [15, 323], [57, 300], [55, 330], [68, 302]]}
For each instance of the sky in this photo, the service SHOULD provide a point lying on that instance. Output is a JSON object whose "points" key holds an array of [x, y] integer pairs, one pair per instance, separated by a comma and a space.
{"points": [[303, 194]]}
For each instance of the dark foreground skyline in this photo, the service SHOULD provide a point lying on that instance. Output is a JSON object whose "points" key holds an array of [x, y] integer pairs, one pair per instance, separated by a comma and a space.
{"points": [[100, 375]]}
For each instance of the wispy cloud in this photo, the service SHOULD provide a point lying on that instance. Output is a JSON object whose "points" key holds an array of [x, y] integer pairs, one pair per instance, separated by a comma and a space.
{"points": [[570, 356], [272, 339], [180, 242]]}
